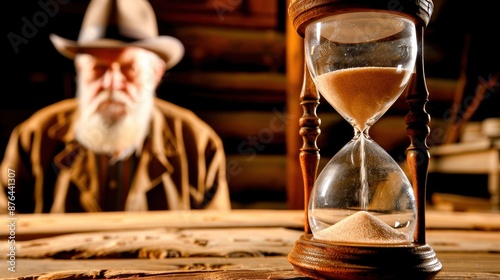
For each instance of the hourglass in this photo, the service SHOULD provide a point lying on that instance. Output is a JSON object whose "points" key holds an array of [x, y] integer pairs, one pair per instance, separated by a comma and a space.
{"points": [[365, 218], [361, 62]]}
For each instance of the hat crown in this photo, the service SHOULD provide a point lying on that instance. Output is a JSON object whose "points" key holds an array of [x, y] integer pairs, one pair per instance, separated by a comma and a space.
{"points": [[123, 20], [116, 24]]}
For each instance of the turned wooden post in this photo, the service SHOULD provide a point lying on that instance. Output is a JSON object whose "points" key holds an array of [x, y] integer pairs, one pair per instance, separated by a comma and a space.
{"points": [[417, 121], [309, 130]]}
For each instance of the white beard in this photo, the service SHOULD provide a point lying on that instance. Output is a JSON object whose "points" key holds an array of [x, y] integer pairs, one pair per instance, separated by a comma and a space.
{"points": [[114, 131]]}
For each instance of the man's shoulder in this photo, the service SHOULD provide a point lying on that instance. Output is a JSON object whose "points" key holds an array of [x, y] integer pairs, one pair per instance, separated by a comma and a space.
{"points": [[168, 108], [49, 115], [173, 111]]}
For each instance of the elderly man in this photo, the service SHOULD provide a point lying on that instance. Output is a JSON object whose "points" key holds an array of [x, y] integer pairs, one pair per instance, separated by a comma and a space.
{"points": [[115, 147]]}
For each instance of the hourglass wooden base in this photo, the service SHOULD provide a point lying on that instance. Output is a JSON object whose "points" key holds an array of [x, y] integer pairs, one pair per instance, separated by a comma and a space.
{"points": [[323, 260]]}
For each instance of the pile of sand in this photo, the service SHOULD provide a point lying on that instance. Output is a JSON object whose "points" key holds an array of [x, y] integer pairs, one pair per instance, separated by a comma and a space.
{"points": [[362, 227]]}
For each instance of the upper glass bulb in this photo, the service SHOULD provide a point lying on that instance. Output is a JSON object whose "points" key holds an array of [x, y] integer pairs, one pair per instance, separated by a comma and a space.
{"points": [[361, 62]]}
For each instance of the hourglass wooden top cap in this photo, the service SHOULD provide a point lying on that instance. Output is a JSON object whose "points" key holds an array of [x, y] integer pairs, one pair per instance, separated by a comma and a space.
{"points": [[119, 24], [304, 12]]}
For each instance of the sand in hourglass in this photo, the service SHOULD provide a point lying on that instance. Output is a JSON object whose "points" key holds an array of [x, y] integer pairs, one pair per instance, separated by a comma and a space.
{"points": [[362, 227], [361, 93]]}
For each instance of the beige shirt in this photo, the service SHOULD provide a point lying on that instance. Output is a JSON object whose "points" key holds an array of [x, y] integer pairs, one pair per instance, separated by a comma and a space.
{"points": [[181, 166]]}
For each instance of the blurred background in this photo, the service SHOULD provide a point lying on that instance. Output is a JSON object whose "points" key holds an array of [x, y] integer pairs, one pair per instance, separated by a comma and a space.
{"points": [[239, 74]]}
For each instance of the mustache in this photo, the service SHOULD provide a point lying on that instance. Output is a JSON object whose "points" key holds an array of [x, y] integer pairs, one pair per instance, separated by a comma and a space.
{"points": [[117, 96]]}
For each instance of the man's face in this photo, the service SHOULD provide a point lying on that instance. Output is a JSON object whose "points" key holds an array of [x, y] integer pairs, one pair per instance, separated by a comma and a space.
{"points": [[115, 93], [114, 82]]}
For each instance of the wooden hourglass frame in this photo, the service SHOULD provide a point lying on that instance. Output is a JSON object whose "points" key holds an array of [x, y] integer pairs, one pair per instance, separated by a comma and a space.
{"points": [[325, 260]]}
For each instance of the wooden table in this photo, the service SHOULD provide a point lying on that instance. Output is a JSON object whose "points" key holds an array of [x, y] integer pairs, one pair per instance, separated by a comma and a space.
{"points": [[239, 244]]}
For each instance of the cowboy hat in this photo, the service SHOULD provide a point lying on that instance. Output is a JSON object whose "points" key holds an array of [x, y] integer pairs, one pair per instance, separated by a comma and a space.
{"points": [[119, 24]]}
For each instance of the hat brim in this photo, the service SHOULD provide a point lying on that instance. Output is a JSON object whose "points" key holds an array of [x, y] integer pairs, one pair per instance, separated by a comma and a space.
{"points": [[168, 48]]}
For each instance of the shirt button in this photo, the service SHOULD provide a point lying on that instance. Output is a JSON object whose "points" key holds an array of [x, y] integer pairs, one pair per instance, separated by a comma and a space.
{"points": [[112, 184]]}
